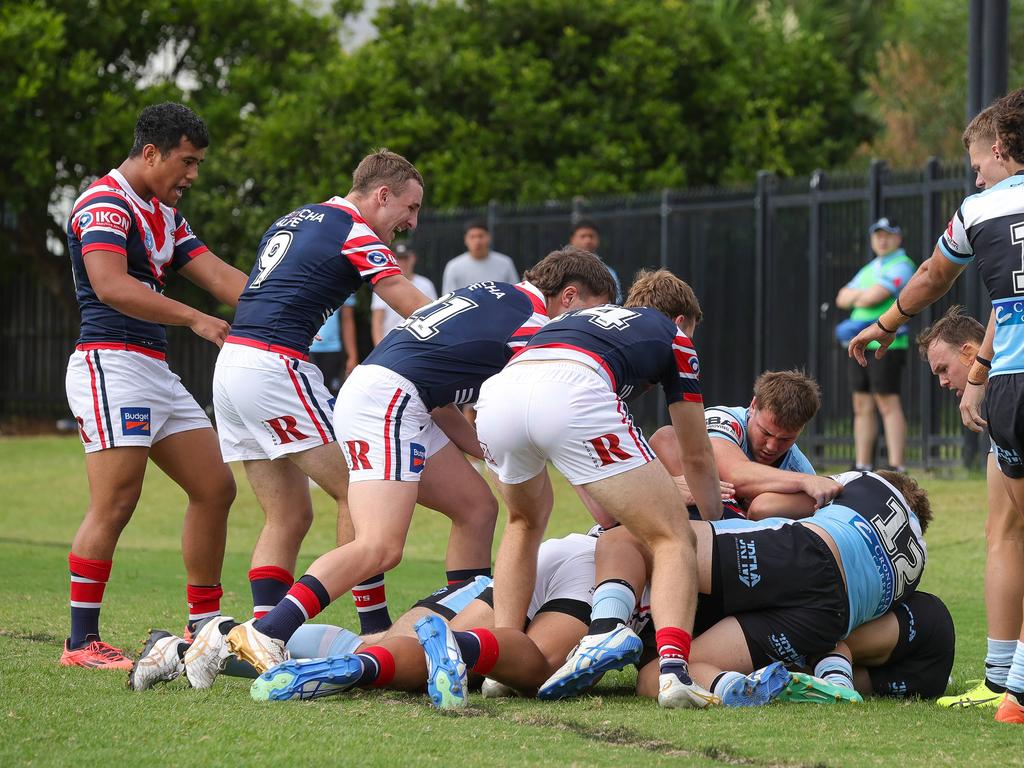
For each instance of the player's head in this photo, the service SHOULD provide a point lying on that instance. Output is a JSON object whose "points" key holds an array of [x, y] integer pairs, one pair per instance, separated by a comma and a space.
{"points": [[980, 142], [916, 496], [477, 238], [661, 290], [784, 401], [406, 257], [950, 345], [585, 235], [388, 191], [571, 279], [170, 143], [1009, 120], [886, 236]]}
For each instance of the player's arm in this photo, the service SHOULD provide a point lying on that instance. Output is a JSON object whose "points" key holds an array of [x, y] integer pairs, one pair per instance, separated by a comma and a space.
{"points": [[697, 457], [795, 506], [377, 325], [752, 479], [930, 283], [215, 276], [977, 381], [108, 275], [451, 421], [400, 294]]}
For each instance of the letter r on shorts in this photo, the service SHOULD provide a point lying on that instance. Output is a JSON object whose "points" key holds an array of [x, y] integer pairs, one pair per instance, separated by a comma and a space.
{"points": [[608, 449], [285, 428], [357, 454]]}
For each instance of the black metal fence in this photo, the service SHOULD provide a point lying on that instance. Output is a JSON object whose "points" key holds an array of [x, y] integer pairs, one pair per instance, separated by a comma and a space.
{"points": [[766, 261]]}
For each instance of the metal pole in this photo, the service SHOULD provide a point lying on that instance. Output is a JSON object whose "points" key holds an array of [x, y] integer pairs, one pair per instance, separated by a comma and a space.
{"points": [[762, 256], [929, 230], [876, 203], [995, 45], [975, 26], [814, 295], [663, 245], [492, 216]]}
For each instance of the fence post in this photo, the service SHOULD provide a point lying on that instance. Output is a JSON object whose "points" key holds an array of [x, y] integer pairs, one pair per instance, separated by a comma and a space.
{"points": [[664, 212], [762, 255], [577, 210], [930, 201], [876, 174], [492, 216], [817, 183]]}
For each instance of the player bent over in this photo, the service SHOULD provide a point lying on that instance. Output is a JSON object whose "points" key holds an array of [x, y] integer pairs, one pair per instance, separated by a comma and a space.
{"points": [[950, 346], [561, 399], [756, 451], [124, 234], [433, 362]]}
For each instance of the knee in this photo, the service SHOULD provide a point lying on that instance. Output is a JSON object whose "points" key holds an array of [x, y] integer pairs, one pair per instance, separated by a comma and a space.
{"points": [[863, 406], [889, 405], [388, 556], [664, 443]]}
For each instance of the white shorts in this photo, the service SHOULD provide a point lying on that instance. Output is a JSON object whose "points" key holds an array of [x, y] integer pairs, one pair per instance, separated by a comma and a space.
{"points": [[565, 412], [385, 429], [121, 398], [565, 571], [268, 404]]}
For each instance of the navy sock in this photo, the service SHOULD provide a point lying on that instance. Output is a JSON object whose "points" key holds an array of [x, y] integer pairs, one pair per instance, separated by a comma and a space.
{"points": [[371, 669], [304, 600], [469, 647], [372, 605]]}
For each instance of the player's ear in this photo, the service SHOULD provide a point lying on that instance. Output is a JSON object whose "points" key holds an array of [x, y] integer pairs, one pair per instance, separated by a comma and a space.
{"points": [[753, 403], [569, 294]]}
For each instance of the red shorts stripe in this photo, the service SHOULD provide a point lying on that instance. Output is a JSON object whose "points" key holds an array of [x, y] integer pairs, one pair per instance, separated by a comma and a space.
{"points": [[305, 402], [628, 421], [387, 434], [95, 401]]}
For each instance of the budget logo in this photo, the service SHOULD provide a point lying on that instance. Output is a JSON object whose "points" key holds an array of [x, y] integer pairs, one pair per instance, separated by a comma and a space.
{"points": [[417, 457], [135, 421]]}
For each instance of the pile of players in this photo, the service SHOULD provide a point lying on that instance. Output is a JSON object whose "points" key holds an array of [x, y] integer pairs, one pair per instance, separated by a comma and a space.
{"points": [[703, 600]]}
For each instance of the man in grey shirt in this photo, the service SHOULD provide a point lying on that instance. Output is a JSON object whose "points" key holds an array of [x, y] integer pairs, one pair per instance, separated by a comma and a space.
{"points": [[479, 263]]}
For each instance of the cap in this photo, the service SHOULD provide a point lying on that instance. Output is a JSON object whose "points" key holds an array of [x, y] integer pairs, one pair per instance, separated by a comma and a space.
{"points": [[886, 224]]}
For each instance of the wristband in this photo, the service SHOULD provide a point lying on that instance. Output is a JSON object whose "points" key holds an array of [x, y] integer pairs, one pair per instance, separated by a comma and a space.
{"points": [[878, 322], [978, 375], [983, 361], [901, 310]]}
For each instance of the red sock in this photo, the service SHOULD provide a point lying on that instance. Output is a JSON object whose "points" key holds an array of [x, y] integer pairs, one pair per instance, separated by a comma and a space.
{"points": [[385, 664], [488, 651], [269, 585], [88, 581], [203, 603], [673, 644]]}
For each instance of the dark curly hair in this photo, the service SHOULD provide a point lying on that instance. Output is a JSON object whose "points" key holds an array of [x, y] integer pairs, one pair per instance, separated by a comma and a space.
{"points": [[1009, 122], [164, 125]]}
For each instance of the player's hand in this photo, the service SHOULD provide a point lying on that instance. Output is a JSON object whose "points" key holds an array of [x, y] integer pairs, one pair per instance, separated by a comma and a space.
{"points": [[728, 490], [860, 342], [210, 328], [350, 364], [970, 407], [822, 489]]}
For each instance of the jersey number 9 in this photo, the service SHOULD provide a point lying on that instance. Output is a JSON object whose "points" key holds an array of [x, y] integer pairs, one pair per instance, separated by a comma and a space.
{"points": [[271, 255]]}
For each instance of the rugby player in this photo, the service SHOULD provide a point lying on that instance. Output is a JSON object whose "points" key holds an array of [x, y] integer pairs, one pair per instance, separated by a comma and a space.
{"points": [[271, 402], [390, 414], [756, 451], [561, 399], [950, 347], [989, 224], [124, 234]]}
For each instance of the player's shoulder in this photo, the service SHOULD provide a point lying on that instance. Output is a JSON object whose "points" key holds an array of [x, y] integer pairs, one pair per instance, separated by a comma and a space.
{"points": [[726, 421], [1007, 194], [105, 190]]}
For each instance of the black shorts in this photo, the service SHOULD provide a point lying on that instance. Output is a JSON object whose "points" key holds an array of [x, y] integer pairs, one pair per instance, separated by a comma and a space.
{"points": [[577, 609], [731, 510], [923, 658], [784, 588], [1005, 400], [881, 377]]}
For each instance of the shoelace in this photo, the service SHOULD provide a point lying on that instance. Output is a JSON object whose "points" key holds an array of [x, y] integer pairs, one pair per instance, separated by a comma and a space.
{"points": [[105, 650]]}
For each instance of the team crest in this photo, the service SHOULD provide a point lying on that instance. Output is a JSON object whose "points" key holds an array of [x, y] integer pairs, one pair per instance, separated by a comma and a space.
{"points": [[135, 421], [377, 258], [84, 220]]}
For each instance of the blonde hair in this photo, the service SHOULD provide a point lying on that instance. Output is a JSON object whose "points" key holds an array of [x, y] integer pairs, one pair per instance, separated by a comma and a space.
{"points": [[384, 168], [663, 291], [792, 397], [981, 128]]}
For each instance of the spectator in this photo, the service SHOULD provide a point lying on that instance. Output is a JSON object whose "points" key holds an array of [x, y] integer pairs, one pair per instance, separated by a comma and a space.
{"points": [[384, 318], [871, 292], [586, 237], [479, 263]]}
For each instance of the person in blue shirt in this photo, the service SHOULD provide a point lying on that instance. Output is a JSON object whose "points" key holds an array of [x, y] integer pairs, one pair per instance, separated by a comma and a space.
{"points": [[326, 350], [756, 451], [586, 236]]}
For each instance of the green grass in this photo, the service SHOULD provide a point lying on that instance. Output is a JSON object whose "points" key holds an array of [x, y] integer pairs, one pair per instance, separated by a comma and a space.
{"points": [[53, 716]]}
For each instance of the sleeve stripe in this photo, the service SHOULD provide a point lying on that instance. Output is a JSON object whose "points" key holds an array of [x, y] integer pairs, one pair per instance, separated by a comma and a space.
{"points": [[90, 247], [198, 251], [955, 258], [386, 271]]}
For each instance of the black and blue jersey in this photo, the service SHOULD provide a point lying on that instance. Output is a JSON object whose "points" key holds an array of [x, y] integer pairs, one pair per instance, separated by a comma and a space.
{"points": [[449, 347], [309, 262]]}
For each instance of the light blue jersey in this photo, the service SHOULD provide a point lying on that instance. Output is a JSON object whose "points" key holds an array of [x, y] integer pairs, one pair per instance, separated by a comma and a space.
{"points": [[879, 540], [989, 228], [730, 423]]}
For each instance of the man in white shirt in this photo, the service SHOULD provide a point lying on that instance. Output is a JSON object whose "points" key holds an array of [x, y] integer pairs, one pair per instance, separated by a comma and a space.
{"points": [[384, 318], [479, 264]]}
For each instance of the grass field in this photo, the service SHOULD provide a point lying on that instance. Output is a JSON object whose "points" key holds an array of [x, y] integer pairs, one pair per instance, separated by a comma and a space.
{"points": [[53, 716]]}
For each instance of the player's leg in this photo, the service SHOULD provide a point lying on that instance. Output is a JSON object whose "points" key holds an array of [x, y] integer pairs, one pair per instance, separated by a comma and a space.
{"points": [[115, 484], [192, 459], [453, 487], [1011, 709], [529, 507]]}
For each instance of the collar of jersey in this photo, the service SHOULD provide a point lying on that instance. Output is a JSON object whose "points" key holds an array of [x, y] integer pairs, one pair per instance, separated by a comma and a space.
{"points": [[540, 304], [122, 182], [341, 201], [1010, 181]]}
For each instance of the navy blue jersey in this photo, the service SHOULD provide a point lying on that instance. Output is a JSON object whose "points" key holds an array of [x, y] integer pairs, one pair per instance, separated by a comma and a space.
{"points": [[989, 228], [631, 348], [449, 347], [109, 216], [309, 262]]}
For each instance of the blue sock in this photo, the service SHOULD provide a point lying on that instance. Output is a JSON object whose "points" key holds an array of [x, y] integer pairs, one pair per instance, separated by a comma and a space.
{"points": [[997, 663], [724, 682], [469, 647], [613, 603], [1015, 678], [836, 669], [315, 641]]}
